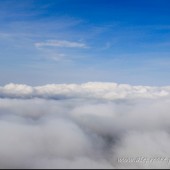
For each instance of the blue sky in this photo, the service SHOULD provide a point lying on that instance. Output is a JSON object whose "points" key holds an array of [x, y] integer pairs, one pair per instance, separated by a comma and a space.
{"points": [[76, 41]]}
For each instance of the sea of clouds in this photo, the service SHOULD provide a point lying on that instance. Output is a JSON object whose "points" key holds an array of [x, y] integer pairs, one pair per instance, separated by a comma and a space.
{"points": [[91, 125]]}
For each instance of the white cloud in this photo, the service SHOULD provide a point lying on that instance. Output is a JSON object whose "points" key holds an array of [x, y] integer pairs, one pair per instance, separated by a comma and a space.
{"points": [[87, 125], [62, 43], [108, 91]]}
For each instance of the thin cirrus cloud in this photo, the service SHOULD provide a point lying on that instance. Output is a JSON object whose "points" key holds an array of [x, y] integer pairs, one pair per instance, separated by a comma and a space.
{"points": [[61, 44]]}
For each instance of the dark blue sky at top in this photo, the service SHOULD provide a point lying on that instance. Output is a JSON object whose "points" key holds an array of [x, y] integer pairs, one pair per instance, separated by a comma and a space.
{"points": [[128, 41], [97, 11]]}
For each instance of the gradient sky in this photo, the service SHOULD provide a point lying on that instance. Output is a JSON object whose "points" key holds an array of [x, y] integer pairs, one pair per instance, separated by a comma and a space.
{"points": [[76, 41]]}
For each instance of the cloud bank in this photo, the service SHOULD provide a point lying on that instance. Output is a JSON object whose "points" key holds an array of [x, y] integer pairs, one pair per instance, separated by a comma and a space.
{"points": [[95, 90], [92, 125]]}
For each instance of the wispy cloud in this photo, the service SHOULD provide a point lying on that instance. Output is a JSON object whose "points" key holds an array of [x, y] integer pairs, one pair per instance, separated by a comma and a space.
{"points": [[59, 57], [60, 43]]}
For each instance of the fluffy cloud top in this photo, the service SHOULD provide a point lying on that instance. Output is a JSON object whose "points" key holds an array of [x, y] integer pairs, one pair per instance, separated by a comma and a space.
{"points": [[108, 91], [92, 125]]}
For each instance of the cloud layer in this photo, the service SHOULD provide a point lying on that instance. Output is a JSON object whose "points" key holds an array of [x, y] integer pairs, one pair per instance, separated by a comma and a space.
{"points": [[91, 125], [108, 91]]}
